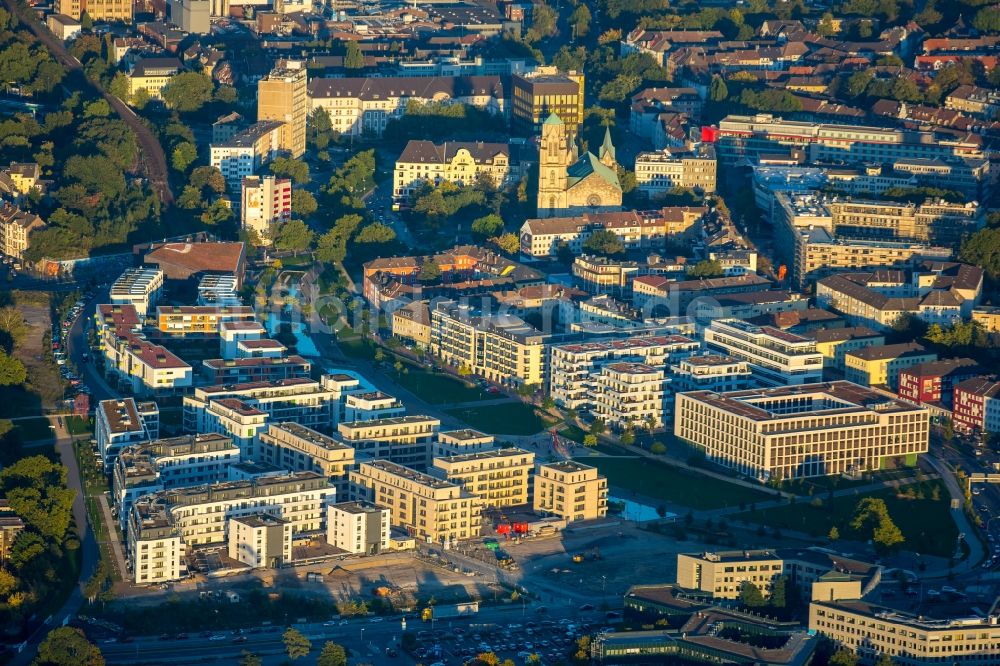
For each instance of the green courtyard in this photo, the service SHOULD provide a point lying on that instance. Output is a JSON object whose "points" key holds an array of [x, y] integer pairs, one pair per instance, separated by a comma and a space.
{"points": [[512, 418], [921, 511], [667, 483], [438, 388]]}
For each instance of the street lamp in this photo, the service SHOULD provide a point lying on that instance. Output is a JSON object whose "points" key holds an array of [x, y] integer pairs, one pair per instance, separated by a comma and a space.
{"points": [[362, 638]]}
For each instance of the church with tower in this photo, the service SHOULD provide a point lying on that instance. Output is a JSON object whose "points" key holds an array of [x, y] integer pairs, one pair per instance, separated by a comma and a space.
{"points": [[572, 184]]}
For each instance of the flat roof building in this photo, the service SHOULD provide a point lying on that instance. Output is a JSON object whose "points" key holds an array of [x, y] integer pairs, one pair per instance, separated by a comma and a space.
{"points": [[570, 490], [802, 431]]}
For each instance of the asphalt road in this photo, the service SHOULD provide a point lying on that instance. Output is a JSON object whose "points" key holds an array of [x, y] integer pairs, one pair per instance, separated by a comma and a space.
{"points": [[151, 156], [367, 639]]}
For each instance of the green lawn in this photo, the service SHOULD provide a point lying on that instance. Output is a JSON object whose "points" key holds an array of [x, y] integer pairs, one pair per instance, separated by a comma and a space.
{"points": [[33, 429], [356, 347], [79, 425], [513, 418], [574, 432], [926, 523], [438, 388], [660, 481]]}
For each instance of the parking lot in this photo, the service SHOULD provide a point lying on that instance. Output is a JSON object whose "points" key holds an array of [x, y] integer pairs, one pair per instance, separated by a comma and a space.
{"points": [[551, 640]]}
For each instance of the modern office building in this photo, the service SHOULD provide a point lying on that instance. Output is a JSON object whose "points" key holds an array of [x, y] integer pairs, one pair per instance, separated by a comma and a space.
{"points": [[358, 528], [426, 506], [537, 95], [802, 431], [571, 490], [498, 478], [870, 631], [751, 136], [722, 574], [282, 97], [776, 357]]}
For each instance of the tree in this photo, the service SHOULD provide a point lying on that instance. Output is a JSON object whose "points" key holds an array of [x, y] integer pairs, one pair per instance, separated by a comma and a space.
{"points": [[294, 236], [67, 646], [183, 156], [590, 440], [99, 108], [619, 88], [430, 271], [987, 19], [983, 249], [332, 246], [332, 655], [119, 86], [7, 583], [706, 269], [579, 21], [487, 226], [605, 243], [303, 203], [208, 177], [86, 23], [598, 427], [659, 448], [140, 98], [250, 659], [12, 372], [188, 91], [217, 215], [508, 242], [779, 592], [718, 90], [287, 167], [884, 660], [296, 644], [834, 534], [13, 324], [872, 512], [826, 26], [353, 58], [750, 595], [376, 232], [844, 657], [487, 659]]}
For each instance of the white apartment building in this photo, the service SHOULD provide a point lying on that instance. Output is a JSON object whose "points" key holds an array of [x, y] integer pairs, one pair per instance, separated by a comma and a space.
{"points": [[265, 201], [120, 423], [139, 287], [295, 447], [497, 478], [163, 525], [501, 348], [231, 333], [405, 440], [710, 372], [426, 506], [299, 400], [776, 357], [630, 395], [358, 528], [359, 106], [145, 368], [802, 431], [574, 366], [371, 406], [246, 152], [176, 462], [237, 419], [260, 540], [220, 291], [658, 172], [460, 442]]}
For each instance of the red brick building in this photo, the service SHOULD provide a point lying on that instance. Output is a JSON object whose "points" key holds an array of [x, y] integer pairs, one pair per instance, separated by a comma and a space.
{"points": [[934, 382]]}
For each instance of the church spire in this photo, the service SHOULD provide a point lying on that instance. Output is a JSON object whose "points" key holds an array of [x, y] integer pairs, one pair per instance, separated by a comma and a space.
{"points": [[607, 153]]}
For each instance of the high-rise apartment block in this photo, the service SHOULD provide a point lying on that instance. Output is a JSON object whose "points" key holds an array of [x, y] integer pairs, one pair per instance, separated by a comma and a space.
{"points": [[281, 96]]}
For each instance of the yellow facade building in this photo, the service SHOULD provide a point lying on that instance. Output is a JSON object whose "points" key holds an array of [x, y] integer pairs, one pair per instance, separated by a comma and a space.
{"points": [[570, 490]]}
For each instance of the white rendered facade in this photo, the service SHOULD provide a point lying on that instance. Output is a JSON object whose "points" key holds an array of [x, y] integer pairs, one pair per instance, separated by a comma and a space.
{"points": [[776, 357]]}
